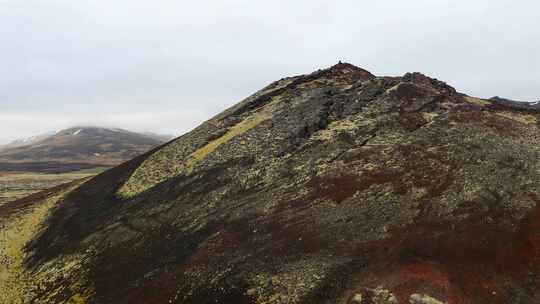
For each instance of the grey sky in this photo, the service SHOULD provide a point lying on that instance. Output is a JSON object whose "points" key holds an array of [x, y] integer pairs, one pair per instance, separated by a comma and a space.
{"points": [[166, 66]]}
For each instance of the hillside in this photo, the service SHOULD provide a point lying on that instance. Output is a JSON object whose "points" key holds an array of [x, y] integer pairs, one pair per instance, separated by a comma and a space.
{"points": [[26, 141], [516, 104], [74, 149], [333, 187]]}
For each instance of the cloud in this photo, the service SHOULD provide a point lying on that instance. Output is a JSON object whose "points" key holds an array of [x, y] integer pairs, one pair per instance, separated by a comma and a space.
{"points": [[18, 125], [133, 56]]}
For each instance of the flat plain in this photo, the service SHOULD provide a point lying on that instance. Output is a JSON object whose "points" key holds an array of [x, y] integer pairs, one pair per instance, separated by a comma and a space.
{"points": [[14, 185]]}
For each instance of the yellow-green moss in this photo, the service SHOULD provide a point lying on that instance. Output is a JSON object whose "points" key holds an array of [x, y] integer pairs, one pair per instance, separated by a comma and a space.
{"points": [[477, 101], [519, 117], [77, 299], [236, 130], [146, 176], [423, 299], [335, 128], [17, 282], [429, 116]]}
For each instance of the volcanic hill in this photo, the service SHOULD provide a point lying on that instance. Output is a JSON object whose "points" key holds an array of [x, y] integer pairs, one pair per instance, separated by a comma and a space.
{"points": [[74, 149], [333, 187]]}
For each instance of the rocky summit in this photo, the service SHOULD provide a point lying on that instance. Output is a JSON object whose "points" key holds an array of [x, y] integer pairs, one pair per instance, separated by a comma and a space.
{"points": [[333, 187]]}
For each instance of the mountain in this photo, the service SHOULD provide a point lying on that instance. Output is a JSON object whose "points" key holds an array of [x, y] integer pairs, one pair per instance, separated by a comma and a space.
{"points": [[76, 148], [333, 187], [160, 137], [25, 141], [503, 102]]}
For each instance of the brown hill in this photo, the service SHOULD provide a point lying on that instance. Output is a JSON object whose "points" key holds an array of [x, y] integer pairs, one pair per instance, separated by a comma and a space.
{"points": [[333, 187], [76, 148], [503, 102]]}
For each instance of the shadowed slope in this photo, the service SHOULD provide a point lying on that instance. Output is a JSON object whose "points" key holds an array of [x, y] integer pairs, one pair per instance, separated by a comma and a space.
{"points": [[333, 187]]}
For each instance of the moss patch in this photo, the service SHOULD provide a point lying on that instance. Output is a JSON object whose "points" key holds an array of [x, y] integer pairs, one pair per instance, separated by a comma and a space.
{"points": [[519, 117], [477, 101], [234, 131], [335, 128], [17, 282], [146, 176]]}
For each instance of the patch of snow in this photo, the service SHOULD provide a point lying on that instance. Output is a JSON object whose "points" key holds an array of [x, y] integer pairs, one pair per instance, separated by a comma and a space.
{"points": [[77, 132], [28, 139], [25, 140]]}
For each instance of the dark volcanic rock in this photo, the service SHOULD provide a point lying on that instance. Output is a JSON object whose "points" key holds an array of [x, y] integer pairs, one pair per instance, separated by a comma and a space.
{"points": [[332, 187]]}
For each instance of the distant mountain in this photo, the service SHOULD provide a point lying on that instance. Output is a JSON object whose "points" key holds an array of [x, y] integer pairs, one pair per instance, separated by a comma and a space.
{"points": [[26, 141], [75, 148], [516, 104], [160, 137]]}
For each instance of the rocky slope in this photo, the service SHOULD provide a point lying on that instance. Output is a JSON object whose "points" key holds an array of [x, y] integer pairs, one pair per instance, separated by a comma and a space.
{"points": [[333, 187], [75, 148]]}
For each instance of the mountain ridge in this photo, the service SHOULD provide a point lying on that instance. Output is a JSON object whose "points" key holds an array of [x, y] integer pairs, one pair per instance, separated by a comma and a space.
{"points": [[77, 145], [333, 187], [516, 104]]}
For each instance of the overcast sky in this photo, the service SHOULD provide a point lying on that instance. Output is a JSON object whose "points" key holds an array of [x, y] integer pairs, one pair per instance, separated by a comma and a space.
{"points": [[166, 66]]}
